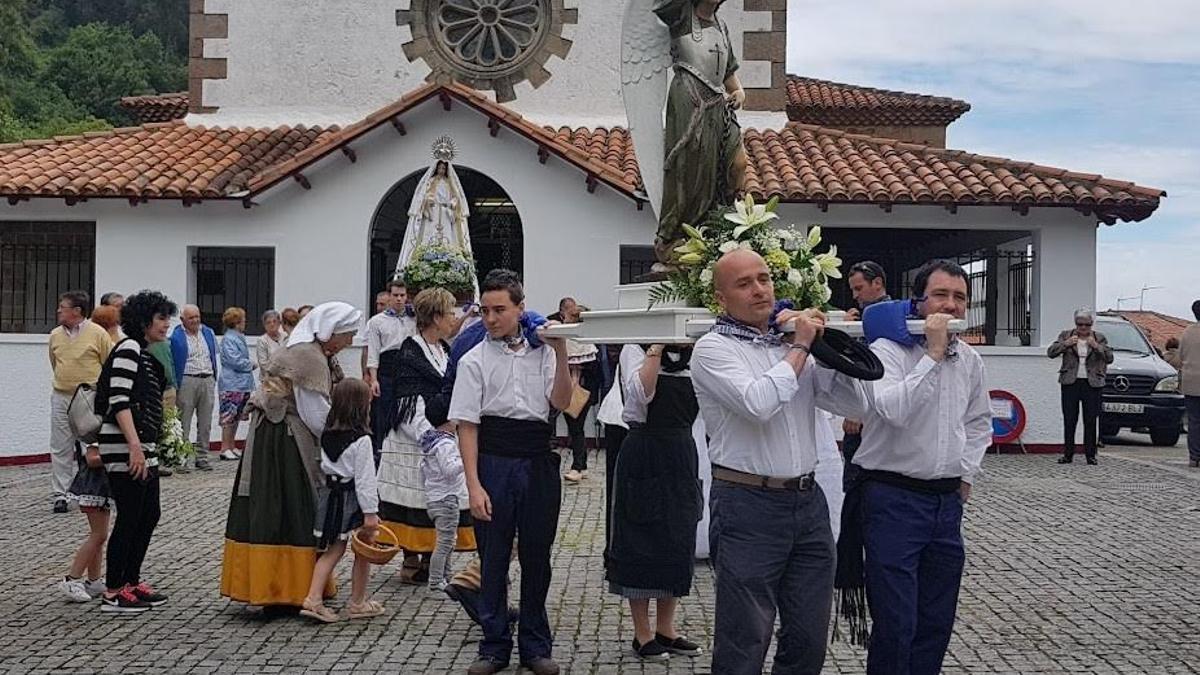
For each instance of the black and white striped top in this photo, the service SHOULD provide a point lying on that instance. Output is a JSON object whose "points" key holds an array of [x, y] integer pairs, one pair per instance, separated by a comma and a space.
{"points": [[135, 383]]}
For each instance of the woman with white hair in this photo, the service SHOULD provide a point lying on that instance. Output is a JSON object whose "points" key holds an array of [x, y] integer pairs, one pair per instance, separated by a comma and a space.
{"points": [[270, 549], [1085, 357]]}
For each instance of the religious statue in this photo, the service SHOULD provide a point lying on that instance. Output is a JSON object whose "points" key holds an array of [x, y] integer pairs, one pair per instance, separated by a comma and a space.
{"points": [[697, 162], [438, 212]]}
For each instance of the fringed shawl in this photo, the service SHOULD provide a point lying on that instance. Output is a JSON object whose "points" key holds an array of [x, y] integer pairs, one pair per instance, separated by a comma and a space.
{"points": [[416, 376]]}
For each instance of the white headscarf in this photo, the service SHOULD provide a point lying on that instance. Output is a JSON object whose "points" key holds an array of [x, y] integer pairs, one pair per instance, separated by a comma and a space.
{"points": [[324, 321]]}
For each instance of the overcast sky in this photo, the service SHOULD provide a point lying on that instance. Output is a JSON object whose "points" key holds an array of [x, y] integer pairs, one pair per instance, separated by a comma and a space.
{"points": [[1099, 86]]}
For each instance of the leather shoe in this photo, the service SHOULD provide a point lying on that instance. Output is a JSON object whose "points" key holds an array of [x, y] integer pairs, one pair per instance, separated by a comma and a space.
{"points": [[486, 666], [1064, 460], [541, 666], [1092, 461]]}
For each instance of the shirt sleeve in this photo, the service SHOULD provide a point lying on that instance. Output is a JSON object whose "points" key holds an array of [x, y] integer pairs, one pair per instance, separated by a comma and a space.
{"points": [[902, 393], [717, 371], [124, 371], [839, 393], [467, 399], [636, 401], [313, 407], [261, 352], [419, 424], [978, 424], [374, 344], [366, 485], [549, 368]]}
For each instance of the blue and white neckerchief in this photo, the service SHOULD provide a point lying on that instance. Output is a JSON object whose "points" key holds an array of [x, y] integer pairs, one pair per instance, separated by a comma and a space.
{"points": [[513, 342], [391, 311], [727, 325]]}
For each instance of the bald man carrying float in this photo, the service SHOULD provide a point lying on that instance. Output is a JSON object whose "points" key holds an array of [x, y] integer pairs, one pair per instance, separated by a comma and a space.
{"points": [[772, 547]]}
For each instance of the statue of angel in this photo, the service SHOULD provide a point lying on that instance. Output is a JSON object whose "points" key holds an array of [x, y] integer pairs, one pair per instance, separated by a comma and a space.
{"points": [[697, 161]]}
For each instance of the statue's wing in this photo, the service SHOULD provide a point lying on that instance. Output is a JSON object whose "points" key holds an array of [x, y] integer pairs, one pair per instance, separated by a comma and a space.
{"points": [[645, 66]]}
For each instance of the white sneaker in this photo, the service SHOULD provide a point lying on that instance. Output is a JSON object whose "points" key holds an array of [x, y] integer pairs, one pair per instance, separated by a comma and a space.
{"points": [[74, 590], [438, 591], [95, 587], [231, 455]]}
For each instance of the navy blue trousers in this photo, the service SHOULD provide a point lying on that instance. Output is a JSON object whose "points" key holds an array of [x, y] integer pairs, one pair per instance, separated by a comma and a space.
{"points": [[772, 550], [526, 493], [914, 563]]}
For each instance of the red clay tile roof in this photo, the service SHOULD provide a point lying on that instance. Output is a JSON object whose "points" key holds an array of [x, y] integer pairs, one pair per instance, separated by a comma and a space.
{"points": [[157, 108], [1157, 326], [800, 163], [805, 163], [163, 160], [834, 104]]}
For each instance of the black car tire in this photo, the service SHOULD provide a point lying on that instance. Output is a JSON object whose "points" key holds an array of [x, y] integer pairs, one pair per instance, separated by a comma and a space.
{"points": [[1167, 436], [1109, 432]]}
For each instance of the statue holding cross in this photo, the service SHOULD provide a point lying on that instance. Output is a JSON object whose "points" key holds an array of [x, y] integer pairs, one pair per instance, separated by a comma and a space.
{"points": [[697, 161]]}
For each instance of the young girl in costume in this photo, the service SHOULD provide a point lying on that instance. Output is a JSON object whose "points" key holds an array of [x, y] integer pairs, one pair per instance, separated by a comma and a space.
{"points": [[349, 499]]}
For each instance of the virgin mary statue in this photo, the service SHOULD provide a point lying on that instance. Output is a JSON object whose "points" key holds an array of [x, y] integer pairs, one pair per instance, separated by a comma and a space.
{"points": [[438, 212]]}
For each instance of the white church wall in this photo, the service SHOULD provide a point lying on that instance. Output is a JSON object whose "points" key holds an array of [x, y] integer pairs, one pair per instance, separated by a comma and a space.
{"points": [[323, 62], [320, 237]]}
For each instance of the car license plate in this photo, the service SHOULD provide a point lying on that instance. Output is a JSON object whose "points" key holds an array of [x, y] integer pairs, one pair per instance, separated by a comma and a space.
{"points": [[1129, 408]]}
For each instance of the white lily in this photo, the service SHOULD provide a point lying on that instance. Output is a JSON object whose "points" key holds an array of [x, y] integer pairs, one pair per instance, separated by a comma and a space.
{"points": [[814, 236], [829, 263], [748, 215]]}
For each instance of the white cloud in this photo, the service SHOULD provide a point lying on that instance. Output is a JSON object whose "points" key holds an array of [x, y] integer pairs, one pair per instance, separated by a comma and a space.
{"points": [[833, 34]]}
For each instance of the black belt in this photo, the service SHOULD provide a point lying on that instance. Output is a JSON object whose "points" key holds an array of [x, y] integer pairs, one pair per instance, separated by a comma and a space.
{"points": [[203, 376], [798, 484], [936, 486]]}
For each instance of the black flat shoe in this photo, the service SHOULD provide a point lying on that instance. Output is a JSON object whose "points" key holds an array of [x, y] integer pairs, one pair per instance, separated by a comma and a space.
{"points": [[679, 645], [651, 651], [1064, 460], [1092, 461]]}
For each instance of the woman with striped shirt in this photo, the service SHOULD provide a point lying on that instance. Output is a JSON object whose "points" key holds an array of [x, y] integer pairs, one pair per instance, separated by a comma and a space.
{"points": [[131, 390]]}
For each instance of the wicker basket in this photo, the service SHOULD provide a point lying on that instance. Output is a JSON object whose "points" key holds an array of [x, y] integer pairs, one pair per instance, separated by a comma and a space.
{"points": [[381, 551]]}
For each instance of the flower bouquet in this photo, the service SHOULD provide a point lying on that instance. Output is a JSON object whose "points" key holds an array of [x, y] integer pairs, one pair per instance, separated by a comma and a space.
{"points": [[437, 265], [173, 446], [799, 272]]}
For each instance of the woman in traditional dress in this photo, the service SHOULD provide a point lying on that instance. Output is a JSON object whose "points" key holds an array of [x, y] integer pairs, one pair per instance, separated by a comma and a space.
{"points": [[421, 406], [270, 549], [656, 500]]}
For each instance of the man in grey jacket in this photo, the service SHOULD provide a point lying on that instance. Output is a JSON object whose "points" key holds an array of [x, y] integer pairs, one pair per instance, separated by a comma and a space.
{"points": [[1187, 360], [1085, 357]]}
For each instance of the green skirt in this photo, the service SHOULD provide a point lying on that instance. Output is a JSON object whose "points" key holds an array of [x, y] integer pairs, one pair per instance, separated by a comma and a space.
{"points": [[270, 550]]}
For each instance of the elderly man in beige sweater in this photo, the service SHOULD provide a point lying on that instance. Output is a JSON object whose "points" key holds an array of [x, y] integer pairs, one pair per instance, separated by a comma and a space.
{"points": [[1187, 360]]}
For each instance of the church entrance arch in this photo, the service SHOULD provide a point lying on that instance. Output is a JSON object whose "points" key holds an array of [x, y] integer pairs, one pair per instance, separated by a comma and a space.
{"points": [[494, 224]]}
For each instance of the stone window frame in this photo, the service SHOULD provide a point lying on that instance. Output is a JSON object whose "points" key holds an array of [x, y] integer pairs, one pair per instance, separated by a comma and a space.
{"points": [[530, 65]]}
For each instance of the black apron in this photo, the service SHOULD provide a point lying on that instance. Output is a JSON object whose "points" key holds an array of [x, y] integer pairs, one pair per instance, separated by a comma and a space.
{"points": [[657, 495]]}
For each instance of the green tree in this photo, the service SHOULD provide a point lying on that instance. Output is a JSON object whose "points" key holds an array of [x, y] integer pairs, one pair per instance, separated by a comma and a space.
{"points": [[100, 63]]}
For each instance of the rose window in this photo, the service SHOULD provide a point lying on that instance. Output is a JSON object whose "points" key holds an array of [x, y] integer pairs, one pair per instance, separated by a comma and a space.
{"points": [[485, 34], [487, 44]]}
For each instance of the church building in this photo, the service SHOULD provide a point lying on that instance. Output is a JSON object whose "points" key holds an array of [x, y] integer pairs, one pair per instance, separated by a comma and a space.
{"points": [[284, 175]]}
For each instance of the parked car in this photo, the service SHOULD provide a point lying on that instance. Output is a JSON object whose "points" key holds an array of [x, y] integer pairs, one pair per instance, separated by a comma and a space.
{"points": [[1141, 391]]}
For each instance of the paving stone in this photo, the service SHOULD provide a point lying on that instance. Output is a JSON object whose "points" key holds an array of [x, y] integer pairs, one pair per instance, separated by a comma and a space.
{"points": [[1070, 569]]}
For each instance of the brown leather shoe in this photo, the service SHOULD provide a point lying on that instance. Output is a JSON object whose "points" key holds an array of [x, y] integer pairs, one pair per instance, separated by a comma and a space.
{"points": [[487, 666], [542, 666]]}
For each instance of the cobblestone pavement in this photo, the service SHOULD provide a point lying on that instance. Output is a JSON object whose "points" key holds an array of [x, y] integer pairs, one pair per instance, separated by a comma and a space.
{"points": [[1070, 569]]}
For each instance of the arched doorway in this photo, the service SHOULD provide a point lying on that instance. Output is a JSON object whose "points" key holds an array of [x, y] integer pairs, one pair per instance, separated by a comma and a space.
{"points": [[495, 226]]}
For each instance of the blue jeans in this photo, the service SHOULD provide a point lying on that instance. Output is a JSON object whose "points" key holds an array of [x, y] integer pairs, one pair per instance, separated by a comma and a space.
{"points": [[772, 550], [914, 564], [526, 493]]}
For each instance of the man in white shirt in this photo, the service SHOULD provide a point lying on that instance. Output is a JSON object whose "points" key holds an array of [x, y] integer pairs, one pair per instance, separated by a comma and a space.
{"points": [[386, 331], [503, 391], [771, 543], [923, 443], [194, 354]]}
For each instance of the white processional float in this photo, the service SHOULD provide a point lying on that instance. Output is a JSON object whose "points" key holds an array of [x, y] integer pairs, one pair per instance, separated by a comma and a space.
{"points": [[680, 309]]}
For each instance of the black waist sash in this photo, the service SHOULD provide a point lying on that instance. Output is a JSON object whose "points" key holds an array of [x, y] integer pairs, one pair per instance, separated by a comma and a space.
{"points": [[505, 437], [335, 510], [936, 486]]}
